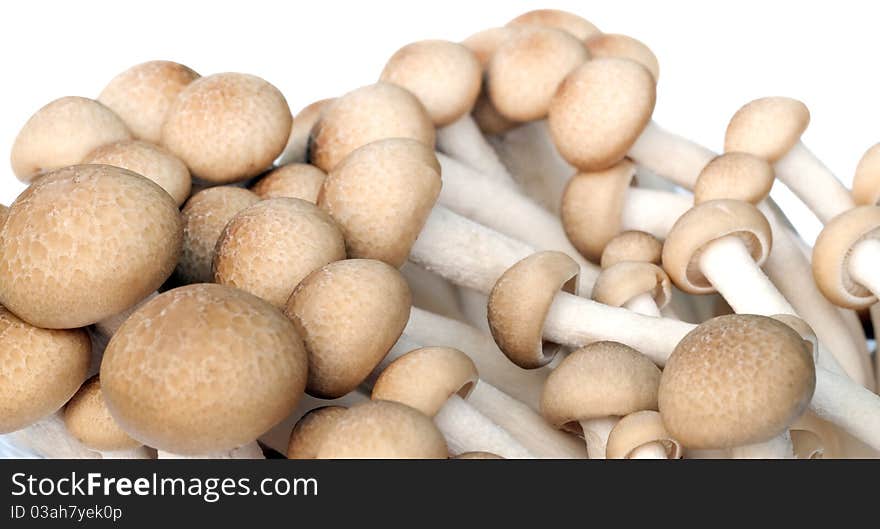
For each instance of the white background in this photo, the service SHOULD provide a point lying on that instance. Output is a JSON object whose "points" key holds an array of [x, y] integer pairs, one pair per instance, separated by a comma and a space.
{"points": [[713, 56]]}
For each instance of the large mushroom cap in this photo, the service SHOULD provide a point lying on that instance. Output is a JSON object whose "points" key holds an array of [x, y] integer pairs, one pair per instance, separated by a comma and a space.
{"points": [[866, 183], [294, 180], [444, 75], [311, 430], [632, 246], [297, 149], [603, 379], [87, 418], [367, 114], [737, 176], [142, 95], [203, 368], [269, 247], [383, 430], [227, 127], [767, 128], [40, 370], [735, 380], [62, 133], [578, 27], [624, 47], [349, 313], [600, 110], [832, 251], [84, 243]]}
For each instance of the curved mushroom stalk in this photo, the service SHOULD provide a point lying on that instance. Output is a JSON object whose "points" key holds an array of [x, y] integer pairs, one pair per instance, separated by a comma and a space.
{"points": [[779, 447], [864, 265], [596, 432], [466, 429], [813, 183], [669, 155], [463, 141], [643, 304], [474, 306], [249, 451], [431, 292]]}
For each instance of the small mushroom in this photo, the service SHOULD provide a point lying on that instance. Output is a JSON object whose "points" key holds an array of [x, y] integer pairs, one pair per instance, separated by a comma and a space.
{"points": [[297, 149], [578, 27], [736, 176], [311, 430], [639, 287], [846, 258], [294, 180], [866, 182], [623, 46], [641, 435], [632, 245], [483, 45]]}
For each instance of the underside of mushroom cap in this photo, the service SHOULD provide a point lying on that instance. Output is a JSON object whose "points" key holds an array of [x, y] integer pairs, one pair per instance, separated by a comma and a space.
{"points": [[736, 176], [832, 251], [637, 430], [767, 128], [621, 282], [578, 27], [866, 183]]}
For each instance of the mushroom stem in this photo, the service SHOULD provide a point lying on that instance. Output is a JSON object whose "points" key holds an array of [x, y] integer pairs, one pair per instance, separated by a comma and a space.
{"points": [[813, 183], [653, 211], [851, 407], [468, 430], [474, 306], [49, 438], [778, 447], [463, 141], [669, 155], [653, 450], [643, 304], [864, 264], [596, 433]]}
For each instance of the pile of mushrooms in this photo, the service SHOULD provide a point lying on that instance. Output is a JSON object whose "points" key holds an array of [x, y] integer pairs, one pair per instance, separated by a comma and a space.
{"points": [[492, 252]]}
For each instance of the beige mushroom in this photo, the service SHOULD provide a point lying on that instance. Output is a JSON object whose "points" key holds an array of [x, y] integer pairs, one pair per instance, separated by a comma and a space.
{"points": [[626, 47], [846, 257], [632, 245], [578, 27], [297, 149], [294, 180], [483, 45], [311, 430], [637, 286], [736, 176], [641, 435]]}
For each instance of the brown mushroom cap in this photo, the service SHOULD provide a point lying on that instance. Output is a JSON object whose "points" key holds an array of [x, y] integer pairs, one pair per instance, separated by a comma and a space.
{"points": [[603, 379], [444, 75], [632, 245], [311, 430], [62, 133], [425, 378], [600, 110], [484, 43], [477, 455], [866, 183], [737, 176], [349, 313], [3, 212], [148, 160], [381, 196], [520, 300], [227, 127], [87, 418], [204, 216], [803, 329], [297, 148], [637, 430], [767, 128], [40, 370], [380, 429], [708, 222], [142, 95], [831, 256], [579, 27], [625, 47], [294, 180], [84, 243], [203, 368], [269, 247], [527, 68], [592, 207], [735, 380], [621, 282], [365, 115]]}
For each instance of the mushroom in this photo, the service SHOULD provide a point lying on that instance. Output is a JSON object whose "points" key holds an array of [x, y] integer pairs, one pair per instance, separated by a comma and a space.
{"points": [[84, 243], [294, 180], [846, 258], [311, 430], [62, 133], [593, 387], [632, 245], [771, 128], [209, 383], [483, 45], [737, 381], [148, 160], [227, 127], [383, 430], [297, 149], [866, 182], [641, 435], [604, 45], [637, 286], [269, 247], [477, 455], [578, 27], [736, 176]]}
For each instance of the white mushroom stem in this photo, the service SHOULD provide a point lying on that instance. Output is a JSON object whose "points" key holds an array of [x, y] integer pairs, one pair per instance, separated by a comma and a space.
{"points": [[864, 264], [669, 155], [643, 304], [49, 438], [468, 430], [249, 451], [653, 450], [813, 183], [474, 307], [463, 141], [850, 406], [596, 432], [653, 211], [432, 292], [779, 447]]}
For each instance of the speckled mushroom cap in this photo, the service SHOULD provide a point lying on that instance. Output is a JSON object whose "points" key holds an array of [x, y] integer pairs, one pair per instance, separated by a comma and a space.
{"points": [[62, 133], [526, 69], [735, 380], [520, 300], [477, 455], [40, 370], [203, 368], [708, 222], [831, 256], [87, 418], [294, 180], [310, 431], [269, 247], [637, 430], [148, 160], [204, 216], [367, 114], [84, 243], [381, 196], [142, 95], [600, 110], [623, 46], [632, 245], [425, 378], [866, 183], [227, 127], [445, 76], [483, 44], [349, 313], [603, 379], [767, 128], [381, 429], [621, 282], [579, 27], [737, 176], [297, 149], [803, 329], [592, 207]]}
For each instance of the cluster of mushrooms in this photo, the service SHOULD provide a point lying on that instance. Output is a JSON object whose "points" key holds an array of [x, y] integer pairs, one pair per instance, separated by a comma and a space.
{"points": [[491, 252]]}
